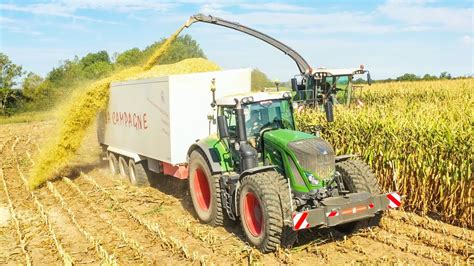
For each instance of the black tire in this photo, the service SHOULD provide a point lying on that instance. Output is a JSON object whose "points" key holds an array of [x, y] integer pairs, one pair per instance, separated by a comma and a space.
{"points": [[138, 173], [267, 225], [123, 167], [207, 203], [113, 163], [358, 177], [289, 236]]}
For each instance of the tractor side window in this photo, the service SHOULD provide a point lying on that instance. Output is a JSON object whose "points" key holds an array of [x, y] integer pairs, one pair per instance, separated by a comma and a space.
{"points": [[342, 84], [229, 114]]}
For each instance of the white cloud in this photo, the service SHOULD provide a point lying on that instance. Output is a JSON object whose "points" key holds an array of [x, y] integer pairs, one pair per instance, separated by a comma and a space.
{"points": [[17, 26], [119, 5], [214, 9], [51, 9], [272, 7], [467, 39], [354, 22], [6, 20], [419, 14]]}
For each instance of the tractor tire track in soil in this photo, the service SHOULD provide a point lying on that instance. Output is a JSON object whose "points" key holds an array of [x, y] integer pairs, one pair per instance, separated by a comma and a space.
{"points": [[91, 217], [35, 240]]}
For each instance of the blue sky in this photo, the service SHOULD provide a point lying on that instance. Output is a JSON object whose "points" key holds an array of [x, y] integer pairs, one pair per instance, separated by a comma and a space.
{"points": [[389, 37]]}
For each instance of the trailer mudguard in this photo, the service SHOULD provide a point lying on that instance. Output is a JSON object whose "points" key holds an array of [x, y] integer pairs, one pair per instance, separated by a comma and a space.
{"points": [[136, 157]]}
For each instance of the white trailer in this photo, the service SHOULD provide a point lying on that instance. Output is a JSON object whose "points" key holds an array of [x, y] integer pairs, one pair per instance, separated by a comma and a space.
{"points": [[157, 120]]}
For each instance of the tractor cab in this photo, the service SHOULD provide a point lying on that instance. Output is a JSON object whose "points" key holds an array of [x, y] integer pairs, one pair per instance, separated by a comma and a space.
{"points": [[262, 112], [334, 84]]}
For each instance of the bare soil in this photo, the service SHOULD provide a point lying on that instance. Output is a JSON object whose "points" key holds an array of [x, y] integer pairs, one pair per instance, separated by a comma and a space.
{"points": [[93, 217]]}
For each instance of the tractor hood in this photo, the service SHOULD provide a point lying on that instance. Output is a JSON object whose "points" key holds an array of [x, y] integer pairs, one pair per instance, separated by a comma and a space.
{"points": [[313, 156], [281, 137]]}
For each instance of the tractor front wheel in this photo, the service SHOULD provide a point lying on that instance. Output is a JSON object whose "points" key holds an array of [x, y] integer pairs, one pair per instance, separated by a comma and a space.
{"points": [[263, 211], [358, 177]]}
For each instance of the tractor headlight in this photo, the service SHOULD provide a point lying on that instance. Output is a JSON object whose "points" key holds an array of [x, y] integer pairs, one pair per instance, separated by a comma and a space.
{"points": [[313, 180]]}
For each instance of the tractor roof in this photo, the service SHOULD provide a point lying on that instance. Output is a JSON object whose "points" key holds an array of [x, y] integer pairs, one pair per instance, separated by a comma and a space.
{"points": [[257, 97], [337, 71]]}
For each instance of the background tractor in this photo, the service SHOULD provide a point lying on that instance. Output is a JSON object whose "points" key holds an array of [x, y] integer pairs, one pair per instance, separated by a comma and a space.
{"points": [[337, 83], [317, 88]]}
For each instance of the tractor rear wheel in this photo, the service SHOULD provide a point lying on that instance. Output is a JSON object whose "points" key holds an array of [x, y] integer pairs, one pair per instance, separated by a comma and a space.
{"points": [[205, 191], [138, 173], [358, 177], [265, 211]]}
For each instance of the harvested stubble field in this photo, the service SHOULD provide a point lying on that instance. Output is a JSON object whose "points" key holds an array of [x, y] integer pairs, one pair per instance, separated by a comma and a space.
{"points": [[90, 217]]}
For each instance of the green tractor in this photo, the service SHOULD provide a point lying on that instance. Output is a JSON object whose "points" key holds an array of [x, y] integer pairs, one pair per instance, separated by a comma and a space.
{"points": [[276, 180]]}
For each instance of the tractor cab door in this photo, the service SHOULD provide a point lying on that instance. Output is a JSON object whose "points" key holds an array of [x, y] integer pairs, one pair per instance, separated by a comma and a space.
{"points": [[229, 113]]}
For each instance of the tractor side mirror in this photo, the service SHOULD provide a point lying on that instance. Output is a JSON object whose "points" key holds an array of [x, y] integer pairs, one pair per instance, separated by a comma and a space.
{"points": [[369, 80], [222, 127], [328, 109], [294, 84]]}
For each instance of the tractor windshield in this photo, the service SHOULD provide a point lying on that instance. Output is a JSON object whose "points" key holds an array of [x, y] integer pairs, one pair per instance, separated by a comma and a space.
{"points": [[268, 114], [340, 86]]}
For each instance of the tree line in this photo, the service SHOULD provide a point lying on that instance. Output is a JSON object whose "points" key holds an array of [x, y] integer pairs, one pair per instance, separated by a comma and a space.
{"points": [[413, 77], [22, 91]]}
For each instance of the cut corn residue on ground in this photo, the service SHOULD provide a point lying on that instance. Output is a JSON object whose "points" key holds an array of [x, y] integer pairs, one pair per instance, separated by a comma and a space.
{"points": [[85, 106]]}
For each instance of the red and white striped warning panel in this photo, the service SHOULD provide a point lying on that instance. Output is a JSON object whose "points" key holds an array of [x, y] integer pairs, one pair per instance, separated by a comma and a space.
{"points": [[299, 220], [394, 200]]}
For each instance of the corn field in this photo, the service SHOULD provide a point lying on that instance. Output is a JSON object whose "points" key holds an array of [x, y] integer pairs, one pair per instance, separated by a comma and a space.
{"points": [[417, 136]]}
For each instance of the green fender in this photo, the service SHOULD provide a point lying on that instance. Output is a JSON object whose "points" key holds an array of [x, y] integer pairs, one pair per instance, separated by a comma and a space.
{"points": [[215, 152]]}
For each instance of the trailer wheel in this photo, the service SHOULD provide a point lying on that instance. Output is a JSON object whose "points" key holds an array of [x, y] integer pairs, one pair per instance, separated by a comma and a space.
{"points": [[358, 177], [113, 163], [261, 211], [205, 191], [123, 166], [138, 173]]}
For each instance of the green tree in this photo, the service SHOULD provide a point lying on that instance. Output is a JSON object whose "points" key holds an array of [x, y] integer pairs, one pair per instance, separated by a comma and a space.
{"points": [[96, 65], [9, 75], [92, 58], [97, 70], [260, 80], [30, 83], [429, 77], [408, 77], [66, 73], [445, 75], [130, 57], [183, 47], [9, 72]]}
